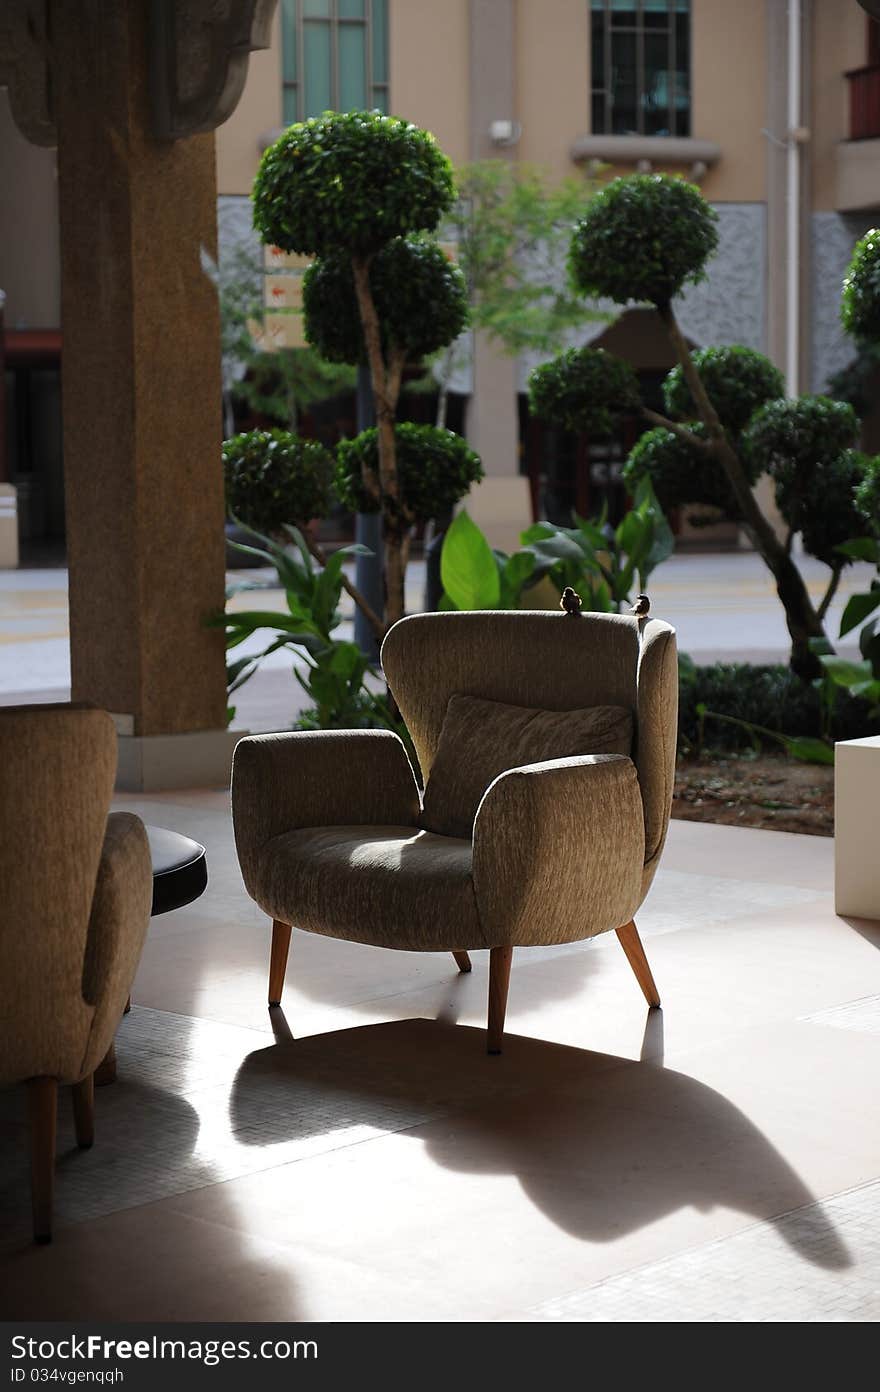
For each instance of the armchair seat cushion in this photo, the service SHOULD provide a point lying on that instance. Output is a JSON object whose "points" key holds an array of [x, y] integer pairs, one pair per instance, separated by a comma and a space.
{"points": [[390, 886]]}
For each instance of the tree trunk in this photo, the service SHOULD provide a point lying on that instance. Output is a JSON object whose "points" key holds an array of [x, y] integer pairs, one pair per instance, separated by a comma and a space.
{"points": [[386, 387], [801, 617]]}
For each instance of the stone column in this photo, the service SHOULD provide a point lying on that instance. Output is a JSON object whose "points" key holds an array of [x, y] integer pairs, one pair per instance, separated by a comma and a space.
{"points": [[141, 404], [501, 503]]}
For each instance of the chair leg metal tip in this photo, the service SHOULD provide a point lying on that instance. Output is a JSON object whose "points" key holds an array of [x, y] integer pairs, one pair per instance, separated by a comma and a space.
{"points": [[42, 1239], [273, 1005], [493, 1053], [85, 1145]]}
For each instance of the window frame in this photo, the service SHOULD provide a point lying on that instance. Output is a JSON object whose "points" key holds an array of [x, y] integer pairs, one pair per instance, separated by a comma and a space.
{"points": [[640, 31], [334, 22]]}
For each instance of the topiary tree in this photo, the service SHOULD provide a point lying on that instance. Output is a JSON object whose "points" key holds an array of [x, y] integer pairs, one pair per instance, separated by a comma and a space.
{"points": [[860, 304], [584, 389], [436, 468], [345, 185], [643, 238], [274, 479]]}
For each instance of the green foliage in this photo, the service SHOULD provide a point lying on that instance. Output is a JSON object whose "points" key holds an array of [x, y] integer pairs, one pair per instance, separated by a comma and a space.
{"points": [[435, 469], [805, 444], [336, 671], [350, 181], [854, 383], [468, 568], [273, 478], [604, 566], [680, 473], [737, 379], [512, 226], [860, 302], [643, 237], [770, 697], [584, 389], [860, 678], [420, 298], [868, 493]]}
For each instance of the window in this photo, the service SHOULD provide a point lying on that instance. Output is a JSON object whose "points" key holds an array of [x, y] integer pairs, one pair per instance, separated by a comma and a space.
{"points": [[641, 67], [335, 56]]}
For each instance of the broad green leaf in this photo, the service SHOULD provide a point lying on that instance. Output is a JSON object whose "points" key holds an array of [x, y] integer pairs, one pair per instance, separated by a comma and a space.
{"points": [[809, 750], [468, 569], [844, 672], [861, 549], [858, 607]]}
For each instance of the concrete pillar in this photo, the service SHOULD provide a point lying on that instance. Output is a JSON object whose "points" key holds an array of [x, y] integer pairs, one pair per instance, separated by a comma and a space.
{"points": [[141, 404], [500, 504]]}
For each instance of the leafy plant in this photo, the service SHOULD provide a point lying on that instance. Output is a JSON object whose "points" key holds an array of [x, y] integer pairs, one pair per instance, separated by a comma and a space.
{"points": [[584, 389], [860, 303], [272, 477], [346, 184], [738, 380], [807, 749], [643, 238], [335, 677], [604, 565], [436, 469], [420, 298]]}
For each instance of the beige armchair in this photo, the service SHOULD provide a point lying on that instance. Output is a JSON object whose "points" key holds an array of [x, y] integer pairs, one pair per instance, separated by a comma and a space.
{"points": [[330, 831], [76, 896]]}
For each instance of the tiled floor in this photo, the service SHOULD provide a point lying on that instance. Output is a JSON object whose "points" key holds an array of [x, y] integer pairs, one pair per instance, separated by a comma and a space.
{"points": [[367, 1160]]}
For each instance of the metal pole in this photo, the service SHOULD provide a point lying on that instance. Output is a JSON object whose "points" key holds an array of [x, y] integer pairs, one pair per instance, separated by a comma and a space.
{"points": [[368, 531], [793, 193]]}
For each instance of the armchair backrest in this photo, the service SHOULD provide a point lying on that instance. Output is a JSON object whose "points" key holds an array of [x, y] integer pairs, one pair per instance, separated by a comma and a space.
{"points": [[57, 769], [548, 661]]}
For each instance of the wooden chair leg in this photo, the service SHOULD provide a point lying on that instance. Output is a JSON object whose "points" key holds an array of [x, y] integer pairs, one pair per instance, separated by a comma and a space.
{"points": [[43, 1110], [278, 963], [635, 955], [500, 959], [462, 961], [83, 1094]]}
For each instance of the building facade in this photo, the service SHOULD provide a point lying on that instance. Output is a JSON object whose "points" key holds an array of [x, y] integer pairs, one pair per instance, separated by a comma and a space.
{"points": [[771, 106]]}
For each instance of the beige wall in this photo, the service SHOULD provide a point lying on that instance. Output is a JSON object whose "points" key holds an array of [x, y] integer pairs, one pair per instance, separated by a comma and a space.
{"points": [[429, 52], [839, 43], [258, 111], [552, 80], [30, 270], [728, 63]]}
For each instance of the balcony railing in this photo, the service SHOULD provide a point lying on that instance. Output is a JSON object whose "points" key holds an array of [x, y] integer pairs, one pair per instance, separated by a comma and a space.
{"points": [[864, 102]]}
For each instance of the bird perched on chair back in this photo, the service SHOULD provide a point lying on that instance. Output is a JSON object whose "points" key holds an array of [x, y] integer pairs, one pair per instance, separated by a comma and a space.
{"points": [[642, 606], [570, 602]]}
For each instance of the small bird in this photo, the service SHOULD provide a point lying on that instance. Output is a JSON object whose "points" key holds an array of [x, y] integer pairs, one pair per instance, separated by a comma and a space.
{"points": [[571, 602], [641, 606]]}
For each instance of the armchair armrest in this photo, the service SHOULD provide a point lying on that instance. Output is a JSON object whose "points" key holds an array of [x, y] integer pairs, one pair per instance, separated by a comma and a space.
{"points": [[558, 850], [318, 778], [117, 927]]}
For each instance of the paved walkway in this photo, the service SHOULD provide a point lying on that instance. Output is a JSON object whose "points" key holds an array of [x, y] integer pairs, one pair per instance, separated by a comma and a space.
{"points": [[724, 608]]}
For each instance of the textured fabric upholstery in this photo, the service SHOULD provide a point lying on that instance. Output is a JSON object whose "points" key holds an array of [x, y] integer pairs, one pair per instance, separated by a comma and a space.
{"points": [[563, 849], [391, 886], [281, 782], [481, 739], [558, 851], [67, 954]]}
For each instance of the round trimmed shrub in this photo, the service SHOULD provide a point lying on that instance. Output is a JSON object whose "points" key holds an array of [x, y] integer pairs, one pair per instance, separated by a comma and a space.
{"points": [[825, 512], [273, 477], [350, 180], [643, 237], [791, 437], [860, 302], [420, 296], [436, 468], [737, 379], [681, 475], [584, 389], [867, 494]]}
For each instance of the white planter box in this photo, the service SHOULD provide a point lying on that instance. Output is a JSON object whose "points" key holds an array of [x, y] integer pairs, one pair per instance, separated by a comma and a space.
{"points": [[857, 827]]}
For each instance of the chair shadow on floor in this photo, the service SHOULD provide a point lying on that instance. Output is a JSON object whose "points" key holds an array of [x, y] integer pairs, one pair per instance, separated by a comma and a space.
{"points": [[602, 1145]]}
